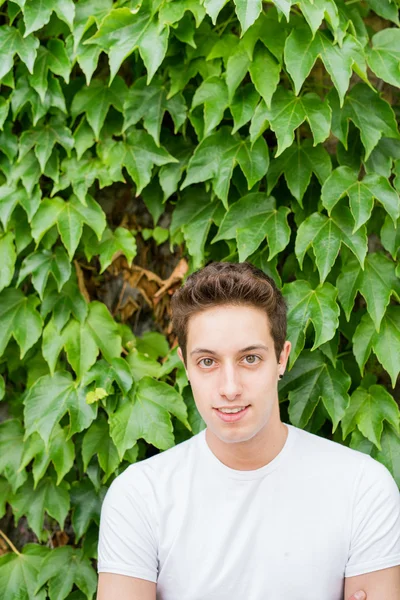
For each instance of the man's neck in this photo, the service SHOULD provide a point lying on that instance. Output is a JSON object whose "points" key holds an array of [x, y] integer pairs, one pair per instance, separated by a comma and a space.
{"points": [[251, 454]]}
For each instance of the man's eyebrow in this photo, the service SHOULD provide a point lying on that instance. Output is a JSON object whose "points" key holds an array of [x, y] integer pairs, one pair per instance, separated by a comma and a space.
{"points": [[207, 351]]}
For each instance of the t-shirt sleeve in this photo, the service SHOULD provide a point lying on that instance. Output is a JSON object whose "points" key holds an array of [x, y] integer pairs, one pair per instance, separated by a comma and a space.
{"points": [[375, 532], [127, 541]]}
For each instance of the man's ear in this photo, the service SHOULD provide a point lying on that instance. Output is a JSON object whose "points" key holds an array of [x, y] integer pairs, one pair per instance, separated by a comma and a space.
{"points": [[179, 353], [285, 353]]}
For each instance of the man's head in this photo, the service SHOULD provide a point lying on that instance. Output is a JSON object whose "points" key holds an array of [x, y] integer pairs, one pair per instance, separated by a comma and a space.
{"points": [[230, 320], [237, 284]]}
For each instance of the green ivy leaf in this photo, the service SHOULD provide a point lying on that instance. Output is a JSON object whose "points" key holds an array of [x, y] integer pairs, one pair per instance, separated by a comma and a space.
{"points": [[326, 235], [367, 410], [61, 452], [11, 448], [4, 110], [390, 236], [103, 376], [253, 219], [86, 504], [213, 8], [83, 138], [312, 379], [298, 163], [387, 9], [24, 94], [43, 138], [372, 115], [62, 304], [88, 13], [385, 344], [150, 102], [69, 217], [115, 243], [302, 49], [95, 100], [154, 344], [11, 43], [87, 57], [19, 572], [218, 164], [194, 220], [53, 57], [138, 154], [171, 174], [243, 105], [11, 195], [146, 414], [28, 171], [247, 12], [384, 56], [82, 340], [8, 142], [41, 264], [259, 122], [142, 365], [38, 12], [173, 12], [288, 112], [377, 282], [82, 173], [121, 32], [33, 503], [49, 399], [382, 157], [19, 319], [97, 442], [213, 93], [314, 12], [237, 66], [306, 304], [390, 454], [62, 568], [344, 181], [8, 254], [265, 73]]}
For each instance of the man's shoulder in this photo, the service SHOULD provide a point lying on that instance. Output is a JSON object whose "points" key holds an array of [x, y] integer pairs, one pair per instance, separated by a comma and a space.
{"points": [[316, 448], [159, 466]]}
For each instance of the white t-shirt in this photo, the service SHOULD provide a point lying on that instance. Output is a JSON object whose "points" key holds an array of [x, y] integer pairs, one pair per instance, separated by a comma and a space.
{"points": [[291, 530]]}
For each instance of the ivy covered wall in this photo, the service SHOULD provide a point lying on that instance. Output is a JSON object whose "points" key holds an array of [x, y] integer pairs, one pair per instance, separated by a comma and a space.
{"points": [[140, 140]]}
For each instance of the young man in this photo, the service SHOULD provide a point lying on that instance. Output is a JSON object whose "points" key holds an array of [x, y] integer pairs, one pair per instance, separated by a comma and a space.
{"points": [[250, 508]]}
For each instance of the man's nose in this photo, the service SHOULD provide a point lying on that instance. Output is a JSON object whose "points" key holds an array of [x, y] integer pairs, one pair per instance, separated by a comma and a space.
{"points": [[229, 385]]}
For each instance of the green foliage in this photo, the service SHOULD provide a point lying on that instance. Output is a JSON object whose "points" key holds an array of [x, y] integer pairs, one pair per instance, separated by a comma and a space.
{"points": [[249, 130]]}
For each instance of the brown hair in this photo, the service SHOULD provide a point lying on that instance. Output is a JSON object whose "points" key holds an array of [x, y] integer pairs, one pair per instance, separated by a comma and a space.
{"points": [[229, 283]]}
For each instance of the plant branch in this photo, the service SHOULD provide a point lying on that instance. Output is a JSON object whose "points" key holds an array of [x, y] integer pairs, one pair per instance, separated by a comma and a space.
{"points": [[9, 542]]}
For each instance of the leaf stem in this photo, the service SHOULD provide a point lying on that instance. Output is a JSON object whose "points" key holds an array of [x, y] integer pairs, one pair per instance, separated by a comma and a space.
{"points": [[344, 353], [221, 28], [9, 542]]}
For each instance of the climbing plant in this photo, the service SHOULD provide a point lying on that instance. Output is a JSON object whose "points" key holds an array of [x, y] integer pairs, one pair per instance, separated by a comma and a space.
{"points": [[140, 140]]}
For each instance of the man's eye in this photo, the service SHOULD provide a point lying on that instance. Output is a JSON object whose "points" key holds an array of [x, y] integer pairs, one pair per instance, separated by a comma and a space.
{"points": [[253, 356], [253, 362], [204, 359]]}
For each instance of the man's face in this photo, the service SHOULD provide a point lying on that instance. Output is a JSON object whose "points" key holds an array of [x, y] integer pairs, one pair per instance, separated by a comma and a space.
{"points": [[231, 362]]}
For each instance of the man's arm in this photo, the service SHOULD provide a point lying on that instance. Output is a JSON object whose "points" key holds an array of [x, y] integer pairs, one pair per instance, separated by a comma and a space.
{"points": [[122, 587], [378, 585]]}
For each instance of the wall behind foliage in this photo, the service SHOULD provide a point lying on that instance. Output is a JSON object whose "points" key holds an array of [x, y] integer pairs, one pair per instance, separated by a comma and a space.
{"points": [[140, 140]]}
